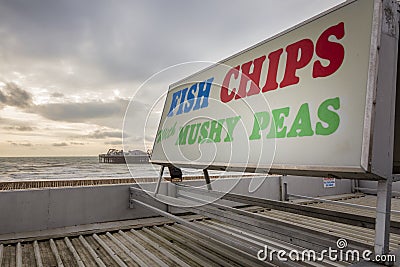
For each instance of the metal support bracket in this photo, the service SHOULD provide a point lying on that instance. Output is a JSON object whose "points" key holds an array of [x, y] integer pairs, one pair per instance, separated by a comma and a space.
{"points": [[159, 180], [207, 178]]}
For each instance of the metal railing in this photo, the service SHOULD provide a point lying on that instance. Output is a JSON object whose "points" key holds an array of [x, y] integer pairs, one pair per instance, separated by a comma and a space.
{"points": [[335, 202]]}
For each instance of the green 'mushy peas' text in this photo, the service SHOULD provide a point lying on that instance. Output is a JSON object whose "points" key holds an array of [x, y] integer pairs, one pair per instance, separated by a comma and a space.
{"points": [[267, 125], [328, 122]]}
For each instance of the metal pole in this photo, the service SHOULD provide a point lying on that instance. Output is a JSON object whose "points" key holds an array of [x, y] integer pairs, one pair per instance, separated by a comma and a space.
{"points": [[382, 222], [285, 192], [207, 177], [159, 180]]}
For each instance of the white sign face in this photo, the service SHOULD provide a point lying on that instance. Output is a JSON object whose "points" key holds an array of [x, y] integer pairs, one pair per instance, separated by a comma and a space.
{"points": [[294, 102]]}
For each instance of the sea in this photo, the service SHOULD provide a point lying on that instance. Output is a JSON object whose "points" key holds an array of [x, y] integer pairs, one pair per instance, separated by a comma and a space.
{"points": [[42, 168]]}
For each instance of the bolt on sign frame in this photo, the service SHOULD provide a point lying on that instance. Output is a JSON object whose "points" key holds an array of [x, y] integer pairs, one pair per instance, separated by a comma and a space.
{"points": [[318, 99]]}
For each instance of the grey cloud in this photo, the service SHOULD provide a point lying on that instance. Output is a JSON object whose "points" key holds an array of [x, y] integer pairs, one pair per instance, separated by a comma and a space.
{"points": [[131, 40], [77, 143], [104, 113], [12, 95], [60, 144], [137, 139], [149, 138], [21, 128], [24, 128], [105, 134], [113, 143], [57, 95], [27, 144], [81, 112], [8, 121]]}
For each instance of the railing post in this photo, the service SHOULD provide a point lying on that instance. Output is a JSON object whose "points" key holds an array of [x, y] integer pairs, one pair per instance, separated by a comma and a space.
{"points": [[285, 192], [382, 222]]}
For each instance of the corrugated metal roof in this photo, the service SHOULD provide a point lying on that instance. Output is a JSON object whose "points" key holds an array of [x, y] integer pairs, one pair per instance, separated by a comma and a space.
{"points": [[341, 230], [172, 244], [359, 199], [169, 245], [166, 245]]}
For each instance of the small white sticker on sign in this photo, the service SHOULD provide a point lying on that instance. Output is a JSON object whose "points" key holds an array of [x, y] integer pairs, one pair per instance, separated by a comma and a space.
{"points": [[329, 182]]}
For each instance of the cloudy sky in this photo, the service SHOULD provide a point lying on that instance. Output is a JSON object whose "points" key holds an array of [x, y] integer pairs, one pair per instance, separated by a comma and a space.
{"points": [[69, 67]]}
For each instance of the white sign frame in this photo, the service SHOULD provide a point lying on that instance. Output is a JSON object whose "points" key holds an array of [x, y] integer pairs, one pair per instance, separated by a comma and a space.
{"points": [[376, 160]]}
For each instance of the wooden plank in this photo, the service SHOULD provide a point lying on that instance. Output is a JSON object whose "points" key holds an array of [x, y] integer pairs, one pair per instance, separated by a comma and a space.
{"points": [[129, 252], [38, 257], [55, 253], [200, 261], [73, 251], [1, 253], [18, 256], [91, 252], [86, 229], [110, 252], [154, 245]]}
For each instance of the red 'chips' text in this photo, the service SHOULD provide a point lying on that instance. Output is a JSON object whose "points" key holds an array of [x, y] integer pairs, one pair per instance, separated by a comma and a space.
{"points": [[298, 55]]}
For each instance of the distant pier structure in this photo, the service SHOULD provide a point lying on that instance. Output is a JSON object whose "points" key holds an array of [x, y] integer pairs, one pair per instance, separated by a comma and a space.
{"points": [[119, 156]]}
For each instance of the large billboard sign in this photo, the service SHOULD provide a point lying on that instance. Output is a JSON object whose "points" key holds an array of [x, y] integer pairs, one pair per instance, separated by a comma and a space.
{"points": [[306, 101]]}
